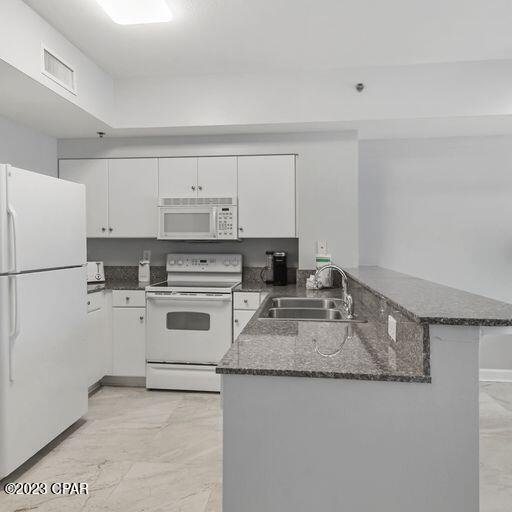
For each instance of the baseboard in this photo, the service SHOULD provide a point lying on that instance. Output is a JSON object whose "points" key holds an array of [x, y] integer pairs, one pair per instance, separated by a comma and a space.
{"points": [[132, 382], [492, 375]]}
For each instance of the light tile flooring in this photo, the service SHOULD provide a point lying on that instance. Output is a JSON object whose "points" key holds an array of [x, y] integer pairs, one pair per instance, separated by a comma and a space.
{"points": [[161, 452]]}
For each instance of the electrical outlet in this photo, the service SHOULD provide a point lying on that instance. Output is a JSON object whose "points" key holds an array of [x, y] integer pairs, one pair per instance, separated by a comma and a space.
{"points": [[392, 327]]}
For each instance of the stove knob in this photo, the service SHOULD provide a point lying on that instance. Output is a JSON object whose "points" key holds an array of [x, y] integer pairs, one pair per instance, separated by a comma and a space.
{"points": [[226, 263], [234, 262], [180, 262], [171, 262]]}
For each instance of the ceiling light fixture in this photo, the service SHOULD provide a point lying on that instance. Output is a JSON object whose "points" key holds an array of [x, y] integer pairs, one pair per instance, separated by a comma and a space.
{"points": [[136, 12]]}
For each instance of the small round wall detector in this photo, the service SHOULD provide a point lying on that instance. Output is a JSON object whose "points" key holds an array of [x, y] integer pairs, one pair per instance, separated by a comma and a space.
{"points": [[101, 134], [360, 87]]}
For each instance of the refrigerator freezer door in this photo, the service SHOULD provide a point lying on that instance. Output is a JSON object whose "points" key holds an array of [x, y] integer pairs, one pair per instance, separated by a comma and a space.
{"points": [[42, 220], [43, 383]]}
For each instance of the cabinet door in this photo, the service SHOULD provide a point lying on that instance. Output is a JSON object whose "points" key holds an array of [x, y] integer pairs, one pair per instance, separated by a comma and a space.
{"points": [[133, 197], [94, 175], [217, 176], [266, 196], [129, 342], [177, 177], [240, 320], [96, 346]]}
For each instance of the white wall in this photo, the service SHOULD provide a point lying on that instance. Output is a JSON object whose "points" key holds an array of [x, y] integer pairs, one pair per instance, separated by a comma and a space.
{"points": [[22, 36], [23, 147], [327, 170], [441, 209], [392, 92]]}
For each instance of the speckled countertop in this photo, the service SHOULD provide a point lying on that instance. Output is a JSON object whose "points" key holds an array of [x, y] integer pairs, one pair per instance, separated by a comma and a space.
{"points": [[293, 348], [430, 302], [363, 351], [118, 284]]}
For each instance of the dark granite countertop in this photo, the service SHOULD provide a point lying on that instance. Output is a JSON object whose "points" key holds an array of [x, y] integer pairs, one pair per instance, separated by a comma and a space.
{"points": [[432, 303], [293, 348], [118, 284], [95, 287]]}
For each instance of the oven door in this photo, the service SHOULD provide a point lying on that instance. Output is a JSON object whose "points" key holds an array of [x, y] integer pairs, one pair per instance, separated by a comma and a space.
{"points": [[187, 223], [188, 327]]}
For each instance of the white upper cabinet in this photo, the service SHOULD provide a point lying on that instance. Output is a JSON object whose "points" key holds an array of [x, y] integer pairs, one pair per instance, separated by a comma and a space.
{"points": [[198, 177], [217, 176], [94, 175], [266, 196], [177, 177], [133, 197], [121, 195]]}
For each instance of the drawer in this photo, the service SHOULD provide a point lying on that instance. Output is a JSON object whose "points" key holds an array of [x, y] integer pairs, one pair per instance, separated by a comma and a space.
{"points": [[95, 301], [129, 299], [246, 300]]}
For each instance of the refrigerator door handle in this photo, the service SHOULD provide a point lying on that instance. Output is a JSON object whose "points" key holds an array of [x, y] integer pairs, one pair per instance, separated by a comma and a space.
{"points": [[11, 212], [15, 322]]}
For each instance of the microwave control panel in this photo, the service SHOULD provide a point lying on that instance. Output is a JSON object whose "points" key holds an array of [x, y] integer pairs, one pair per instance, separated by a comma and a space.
{"points": [[227, 227]]}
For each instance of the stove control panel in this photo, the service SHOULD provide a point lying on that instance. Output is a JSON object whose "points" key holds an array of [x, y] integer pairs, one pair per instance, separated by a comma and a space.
{"points": [[204, 263]]}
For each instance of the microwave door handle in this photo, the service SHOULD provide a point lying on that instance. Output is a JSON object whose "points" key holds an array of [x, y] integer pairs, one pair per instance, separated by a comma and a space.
{"points": [[214, 227]]}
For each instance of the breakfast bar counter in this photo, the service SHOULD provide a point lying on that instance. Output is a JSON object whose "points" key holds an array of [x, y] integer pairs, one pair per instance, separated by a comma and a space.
{"points": [[337, 416]]}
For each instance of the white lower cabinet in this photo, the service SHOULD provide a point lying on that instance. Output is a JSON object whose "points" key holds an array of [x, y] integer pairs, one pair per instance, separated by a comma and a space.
{"points": [[240, 320], [98, 342], [129, 341], [245, 305]]}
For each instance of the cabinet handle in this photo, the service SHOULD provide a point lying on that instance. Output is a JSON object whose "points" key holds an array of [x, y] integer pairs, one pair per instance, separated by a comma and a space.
{"points": [[240, 228], [193, 188], [88, 302], [236, 320], [127, 299], [103, 229], [199, 187], [141, 318], [111, 229]]}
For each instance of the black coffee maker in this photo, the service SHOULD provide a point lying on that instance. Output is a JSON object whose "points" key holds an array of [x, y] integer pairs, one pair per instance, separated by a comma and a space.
{"points": [[280, 269]]}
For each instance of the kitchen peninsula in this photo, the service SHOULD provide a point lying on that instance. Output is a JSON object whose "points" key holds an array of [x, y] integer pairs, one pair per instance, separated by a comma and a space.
{"points": [[358, 417]]}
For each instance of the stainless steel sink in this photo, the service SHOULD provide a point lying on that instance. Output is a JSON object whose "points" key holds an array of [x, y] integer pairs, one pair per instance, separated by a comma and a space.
{"points": [[305, 302], [311, 314]]}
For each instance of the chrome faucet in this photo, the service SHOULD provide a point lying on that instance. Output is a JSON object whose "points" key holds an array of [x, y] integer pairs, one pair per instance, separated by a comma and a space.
{"points": [[346, 297]]}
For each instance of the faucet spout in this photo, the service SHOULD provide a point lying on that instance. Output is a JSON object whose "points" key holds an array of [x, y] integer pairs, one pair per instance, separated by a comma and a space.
{"points": [[346, 297]]}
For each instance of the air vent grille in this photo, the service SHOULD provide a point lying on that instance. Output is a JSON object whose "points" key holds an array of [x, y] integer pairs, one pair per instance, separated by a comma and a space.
{"points": [[195, 201], [54, 68]]}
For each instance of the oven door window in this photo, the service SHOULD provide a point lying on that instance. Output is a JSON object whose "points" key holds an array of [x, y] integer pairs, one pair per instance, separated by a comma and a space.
{"points": [[188, 321], [198, 222]]}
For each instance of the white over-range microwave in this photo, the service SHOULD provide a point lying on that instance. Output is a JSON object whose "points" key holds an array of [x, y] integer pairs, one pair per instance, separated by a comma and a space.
{"points": [[197, 218]]}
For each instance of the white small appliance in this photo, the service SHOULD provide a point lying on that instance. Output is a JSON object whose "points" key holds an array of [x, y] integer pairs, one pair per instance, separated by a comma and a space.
{"points": [[95, 272], [189, 321], [197, 218], [43, 381]]}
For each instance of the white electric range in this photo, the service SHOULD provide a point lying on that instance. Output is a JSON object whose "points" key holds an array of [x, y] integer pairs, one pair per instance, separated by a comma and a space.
{"points": [[189, 321]]}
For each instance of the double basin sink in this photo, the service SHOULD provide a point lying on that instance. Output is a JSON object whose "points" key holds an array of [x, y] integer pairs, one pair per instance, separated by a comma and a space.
{"points": [[310, 309]]}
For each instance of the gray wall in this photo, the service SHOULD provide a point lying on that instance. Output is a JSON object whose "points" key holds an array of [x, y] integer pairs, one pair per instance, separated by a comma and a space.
{"points": [[327, 178], [128, 251], [441, 209], [26, 148]]}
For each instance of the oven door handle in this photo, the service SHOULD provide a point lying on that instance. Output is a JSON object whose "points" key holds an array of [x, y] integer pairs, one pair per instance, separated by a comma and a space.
{"points": [[203, 298]]}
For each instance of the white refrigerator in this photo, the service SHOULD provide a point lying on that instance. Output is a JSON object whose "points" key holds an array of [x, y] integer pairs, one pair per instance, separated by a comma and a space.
{"points": [[43, 295]]}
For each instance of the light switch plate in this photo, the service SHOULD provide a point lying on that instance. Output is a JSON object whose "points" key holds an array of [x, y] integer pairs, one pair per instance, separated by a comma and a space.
{"points": [[392, 327]]}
